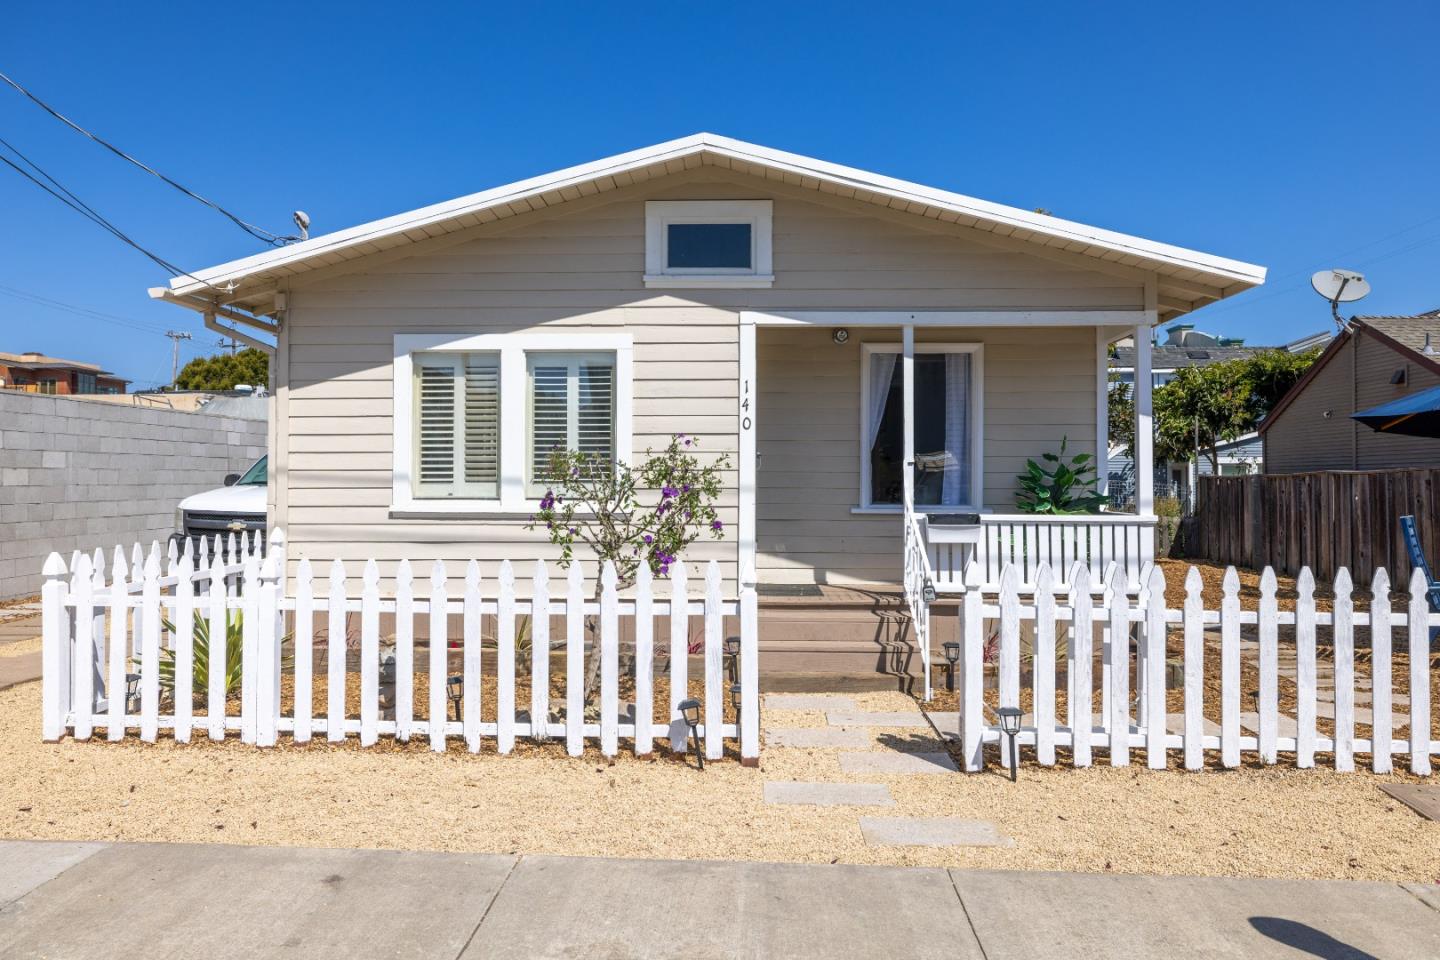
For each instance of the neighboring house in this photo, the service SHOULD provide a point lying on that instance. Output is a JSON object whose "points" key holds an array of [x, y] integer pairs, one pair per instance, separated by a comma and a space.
{"points": [[1373, 360], [768, 303], [33, 372], [1238, 458], [1185, 346]]}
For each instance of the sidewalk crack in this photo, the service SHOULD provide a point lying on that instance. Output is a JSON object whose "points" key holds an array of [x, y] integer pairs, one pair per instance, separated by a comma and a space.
{"points": [[966, 910], [471, 939]]}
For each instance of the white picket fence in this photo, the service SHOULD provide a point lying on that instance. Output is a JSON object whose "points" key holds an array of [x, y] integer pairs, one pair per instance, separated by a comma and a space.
{"points": [[1095, 611], [95, 633]]}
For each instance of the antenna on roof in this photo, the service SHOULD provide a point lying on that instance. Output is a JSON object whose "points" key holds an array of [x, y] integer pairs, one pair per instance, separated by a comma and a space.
{"points": [[1339, 286]]}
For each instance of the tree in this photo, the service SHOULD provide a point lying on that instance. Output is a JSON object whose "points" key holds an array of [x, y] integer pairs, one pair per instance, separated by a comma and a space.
{"points": [[1122, 415], [225, 370]]}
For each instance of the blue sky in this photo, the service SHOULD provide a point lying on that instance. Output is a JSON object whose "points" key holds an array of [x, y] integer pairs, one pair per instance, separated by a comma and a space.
{"points": [[1298, 136]]}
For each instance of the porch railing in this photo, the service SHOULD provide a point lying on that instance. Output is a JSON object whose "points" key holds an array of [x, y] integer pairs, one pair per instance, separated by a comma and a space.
{"points": [[1025, 541], [919, 585], [114, 649]]}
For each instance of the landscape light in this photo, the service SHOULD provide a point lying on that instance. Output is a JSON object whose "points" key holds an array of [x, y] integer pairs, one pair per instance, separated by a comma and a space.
{"points": [[1010, 726], [690, 713], [952, 657], [455, 686]]}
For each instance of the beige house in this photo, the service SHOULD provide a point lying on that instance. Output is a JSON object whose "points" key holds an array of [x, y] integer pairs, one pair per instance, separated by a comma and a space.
{"points": [[824, 326], [1374, 360]]}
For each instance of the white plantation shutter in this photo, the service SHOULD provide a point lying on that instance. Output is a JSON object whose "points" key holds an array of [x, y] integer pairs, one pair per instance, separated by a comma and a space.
{"points": [[458, 426], [572, 406]]}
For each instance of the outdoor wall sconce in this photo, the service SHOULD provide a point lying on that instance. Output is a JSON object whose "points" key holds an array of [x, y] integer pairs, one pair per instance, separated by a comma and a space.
{"points": [[841, 335], [952, 657], [1010, 726], [732, 658], [690, 713], [455, 687]]}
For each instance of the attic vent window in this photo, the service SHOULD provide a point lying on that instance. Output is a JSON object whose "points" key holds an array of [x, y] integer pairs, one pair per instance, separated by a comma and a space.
{"points": [[708, 243], [1198, 354]]}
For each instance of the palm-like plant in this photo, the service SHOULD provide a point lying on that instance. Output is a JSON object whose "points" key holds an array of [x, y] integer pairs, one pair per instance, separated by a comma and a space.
{"points": [[200, 638]]}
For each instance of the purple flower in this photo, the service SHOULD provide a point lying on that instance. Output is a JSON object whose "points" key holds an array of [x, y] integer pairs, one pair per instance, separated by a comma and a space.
{"points": [[648, 539], [717, 526], [664, 569], [685, 487], [687, 443], [661, 509], [573, 531], [547, 502], [668, 492]]}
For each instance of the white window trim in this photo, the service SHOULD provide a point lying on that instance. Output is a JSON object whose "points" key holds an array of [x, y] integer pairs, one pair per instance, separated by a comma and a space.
{"points": [[758, 213], [513, 349], [977, 427]]}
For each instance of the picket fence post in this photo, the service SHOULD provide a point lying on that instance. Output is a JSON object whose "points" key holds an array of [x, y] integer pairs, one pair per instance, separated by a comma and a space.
{"points": [[609, 661], [1381, 729], [714, 664], [1344, 626], [267, 654], [679, 657], [505, 660], [1269, 695], [150, 648], [438, 668], [218, 630], [749, 670], [250, 643], [55, 650], [972, 671], [336, 649], [183, 691], [472, 662], [82, 675], [1155, 630], [370, 654], [1419, 629], [404, 702], [304, 652], [644, 660], [1230, 669], [1119, 671], [540, 652], [1081, 683], [1009, 668], [575, 662], [1305, 669], [1194, 671], [119, 647], [1043, 666]]}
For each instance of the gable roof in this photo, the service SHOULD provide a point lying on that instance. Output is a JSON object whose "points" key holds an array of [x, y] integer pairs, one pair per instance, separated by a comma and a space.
{"points": [[1407, 336], [1172, 358], [1188, 278]]}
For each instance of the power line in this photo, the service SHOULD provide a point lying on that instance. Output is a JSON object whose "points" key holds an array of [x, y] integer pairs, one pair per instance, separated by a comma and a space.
{"points": [[86, 312], [85, 210], [258, 233]]}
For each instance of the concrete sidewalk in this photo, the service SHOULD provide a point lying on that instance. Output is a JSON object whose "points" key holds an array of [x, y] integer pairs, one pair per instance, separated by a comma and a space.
{"points": [[155, 901]]}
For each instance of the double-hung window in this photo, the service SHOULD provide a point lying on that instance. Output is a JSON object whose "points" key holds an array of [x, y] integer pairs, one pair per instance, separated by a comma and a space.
{"points": [[572, 407], [946, 426], [477, 417]]}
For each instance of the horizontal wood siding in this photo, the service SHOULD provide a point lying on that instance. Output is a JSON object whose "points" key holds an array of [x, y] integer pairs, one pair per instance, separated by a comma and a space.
{"points": [[1039, 388], [578, 268], [1315, 431]]}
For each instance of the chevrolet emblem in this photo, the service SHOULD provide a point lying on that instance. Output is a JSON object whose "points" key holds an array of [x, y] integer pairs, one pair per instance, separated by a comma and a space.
{"points": [[236, 525]]}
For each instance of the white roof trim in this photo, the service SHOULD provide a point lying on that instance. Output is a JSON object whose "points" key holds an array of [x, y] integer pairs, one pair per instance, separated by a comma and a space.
{"points": [[1105, 244]]}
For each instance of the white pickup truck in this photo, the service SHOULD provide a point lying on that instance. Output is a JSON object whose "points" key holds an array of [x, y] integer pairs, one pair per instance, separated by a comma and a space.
{"points": [[237, 507]]}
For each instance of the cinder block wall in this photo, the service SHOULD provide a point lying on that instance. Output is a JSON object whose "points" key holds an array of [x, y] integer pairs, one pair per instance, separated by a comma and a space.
{"points": [[76, 475]]}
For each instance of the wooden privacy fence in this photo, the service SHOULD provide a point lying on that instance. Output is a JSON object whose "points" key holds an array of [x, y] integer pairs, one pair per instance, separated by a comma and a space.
{"points": [[1135, 638], [103, 640], [1323, 521]]}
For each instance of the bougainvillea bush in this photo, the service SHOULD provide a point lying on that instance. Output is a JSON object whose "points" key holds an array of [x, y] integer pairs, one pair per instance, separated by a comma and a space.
{"points": [[632, 514]]}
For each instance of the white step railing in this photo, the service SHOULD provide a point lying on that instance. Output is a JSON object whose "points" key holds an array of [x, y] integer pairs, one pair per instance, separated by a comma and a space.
{"points": [[106, 638], [1035, 622], [919, 586]]}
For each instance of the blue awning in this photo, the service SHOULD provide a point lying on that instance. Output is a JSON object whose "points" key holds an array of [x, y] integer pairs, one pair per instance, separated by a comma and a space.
{"points": [[1417, 415]]}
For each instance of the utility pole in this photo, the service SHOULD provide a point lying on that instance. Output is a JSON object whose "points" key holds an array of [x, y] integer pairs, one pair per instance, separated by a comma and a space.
{"points": [[176, 336], [226, 343]]}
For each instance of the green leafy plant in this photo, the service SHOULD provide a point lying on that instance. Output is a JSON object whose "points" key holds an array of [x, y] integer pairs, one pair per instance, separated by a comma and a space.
{"points": [[200, 638], [1065, 486]]}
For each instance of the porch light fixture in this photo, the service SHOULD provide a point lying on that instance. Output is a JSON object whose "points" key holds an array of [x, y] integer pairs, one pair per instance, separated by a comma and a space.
{"points": [[952, 657], [1010, 726], [841, 335], [455, 687], [732, 658], [690, 713]]}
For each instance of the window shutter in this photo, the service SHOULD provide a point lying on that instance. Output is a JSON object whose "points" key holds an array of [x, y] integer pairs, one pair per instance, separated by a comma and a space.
{"points": [[482, 424], [549, 413], [436, 433], [595, 427]]}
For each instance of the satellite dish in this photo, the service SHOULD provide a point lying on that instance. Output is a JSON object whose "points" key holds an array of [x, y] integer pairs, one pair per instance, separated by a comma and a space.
{"points": [[1339, 286]]}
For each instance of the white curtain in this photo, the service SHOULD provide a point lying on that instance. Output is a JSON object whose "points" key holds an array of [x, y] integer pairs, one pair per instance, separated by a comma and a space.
{"points": [[882, 372], [955, 489]]}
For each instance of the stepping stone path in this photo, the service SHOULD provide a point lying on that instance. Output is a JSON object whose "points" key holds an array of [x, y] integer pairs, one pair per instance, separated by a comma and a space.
{"points": [[894, 762], [895, 718], [1175, 723], [931, 832], [1284, 726], [817, 737], [829, 794], [807, 701]]}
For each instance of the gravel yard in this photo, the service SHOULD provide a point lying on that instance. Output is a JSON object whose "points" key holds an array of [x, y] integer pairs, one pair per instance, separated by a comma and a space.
{"points": [[1274, 822]]}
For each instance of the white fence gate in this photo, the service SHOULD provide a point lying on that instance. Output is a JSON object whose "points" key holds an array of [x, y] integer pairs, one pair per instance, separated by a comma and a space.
{"points": [[1102, 618], [105, 643]]}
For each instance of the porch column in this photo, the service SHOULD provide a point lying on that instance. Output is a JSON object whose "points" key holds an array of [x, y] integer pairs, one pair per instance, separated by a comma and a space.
{"points": [[1102, 411], [747, 466], [907, 370], [1144, 426]]}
